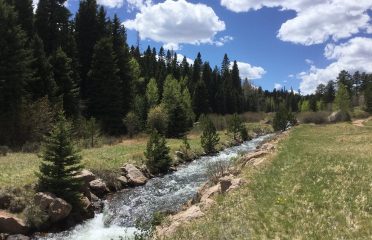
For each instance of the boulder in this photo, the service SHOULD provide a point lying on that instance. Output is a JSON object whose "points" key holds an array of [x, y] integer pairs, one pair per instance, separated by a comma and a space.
{"points": [[99, 187], [225, 183], [123, 180], [5, 200], [11, 224], [59, 209], [179, 219], [86, 176], [134, 175], [339, 116], [18, 237], [43, 200], [88, 207], [210, 192], [248, 157]]}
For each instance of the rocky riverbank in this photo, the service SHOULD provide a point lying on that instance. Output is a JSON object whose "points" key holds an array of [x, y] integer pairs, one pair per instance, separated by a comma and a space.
{"points": [[197, 207]]}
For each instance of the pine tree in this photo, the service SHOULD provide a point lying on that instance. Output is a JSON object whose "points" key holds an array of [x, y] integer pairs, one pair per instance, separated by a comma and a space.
{"points": [[282, 119], [235, 125], [157, 154], [25, 13], [51, 23], [200, 99], [60, 163], [196, 72], [105, 95], [344, 78], [86, 38], [368, 97], [42, 83], [152, 94], [15, 71], [209, 138], [120, 47], [67, 89], [342, 100]]}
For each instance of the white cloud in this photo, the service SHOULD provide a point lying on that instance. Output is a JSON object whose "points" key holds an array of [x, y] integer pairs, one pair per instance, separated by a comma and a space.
{"points": [[278, 86], [354, 55], [180, 58], [177, 22], [222, 40], [291, 75], [138, 4], [246, 70], [111, 3], [309, 61], [316, 20]]}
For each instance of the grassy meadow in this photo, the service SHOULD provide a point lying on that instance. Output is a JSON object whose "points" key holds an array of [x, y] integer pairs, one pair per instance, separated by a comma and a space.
{"points": [[318, 186], [18, 169]]}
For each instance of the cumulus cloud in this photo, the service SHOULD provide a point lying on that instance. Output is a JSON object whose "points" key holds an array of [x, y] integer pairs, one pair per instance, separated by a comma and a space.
{"points": [[316, 20], [177, 22], [246, 70], [138, 4], [111, 3], [180, 58], [278, 86], [354, 55]]}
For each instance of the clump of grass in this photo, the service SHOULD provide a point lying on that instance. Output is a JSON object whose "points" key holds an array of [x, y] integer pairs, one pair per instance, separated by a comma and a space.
{"points": [[316, 187]]}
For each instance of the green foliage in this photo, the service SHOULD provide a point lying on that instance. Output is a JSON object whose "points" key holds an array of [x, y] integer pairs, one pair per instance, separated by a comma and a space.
{"points": [[60, 163], [105, 97], [209, 138], [305, 106], [282, 119], [132, 123], [152, 94], [157, 154], [157, 119], [200, 100], [342, 100], [67, 88], [14, 73], [368, 97], [175, 107], [235, 127]]}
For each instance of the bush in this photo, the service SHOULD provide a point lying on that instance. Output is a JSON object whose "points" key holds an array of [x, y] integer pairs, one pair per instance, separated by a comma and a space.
{"points": [[216, 170], [359, 113], [4, 150], [157, 119], [313, 117], [157, 154], [237, 128], [132, 123], [209, 138], [283, 119], [185, 152], [339, 116]]}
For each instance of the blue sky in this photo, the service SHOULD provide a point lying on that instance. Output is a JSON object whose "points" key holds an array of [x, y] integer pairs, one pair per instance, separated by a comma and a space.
{"points": [[278, 43]]}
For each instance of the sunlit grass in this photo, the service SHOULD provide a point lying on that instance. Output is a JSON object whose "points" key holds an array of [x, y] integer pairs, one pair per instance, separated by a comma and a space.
{"points": [[317, 187], [18, 169]]}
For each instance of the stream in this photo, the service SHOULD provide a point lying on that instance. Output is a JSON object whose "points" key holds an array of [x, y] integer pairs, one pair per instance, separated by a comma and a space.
{"points": [[161, 194]]}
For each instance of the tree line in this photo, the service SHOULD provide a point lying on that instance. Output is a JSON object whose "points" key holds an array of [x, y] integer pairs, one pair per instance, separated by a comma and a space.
{"points": [[82, 64]]}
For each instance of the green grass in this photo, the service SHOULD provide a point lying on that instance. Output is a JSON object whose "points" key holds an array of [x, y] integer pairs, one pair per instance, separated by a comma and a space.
{"points": [[18, 169], [319, 186]]}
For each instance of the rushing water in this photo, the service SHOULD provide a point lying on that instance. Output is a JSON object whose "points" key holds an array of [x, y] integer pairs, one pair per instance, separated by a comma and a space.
{"points": [[167, 193]]}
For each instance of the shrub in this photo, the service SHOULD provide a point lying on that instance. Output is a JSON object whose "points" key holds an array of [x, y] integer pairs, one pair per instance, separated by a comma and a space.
{"points": [[216, 170], [313, 117], [185, 152], [359, 113], [237, 128], [4, 150], [132, 123], [157, 154], [283, 119], [157, 119], [339, 116], [209, 138]]}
